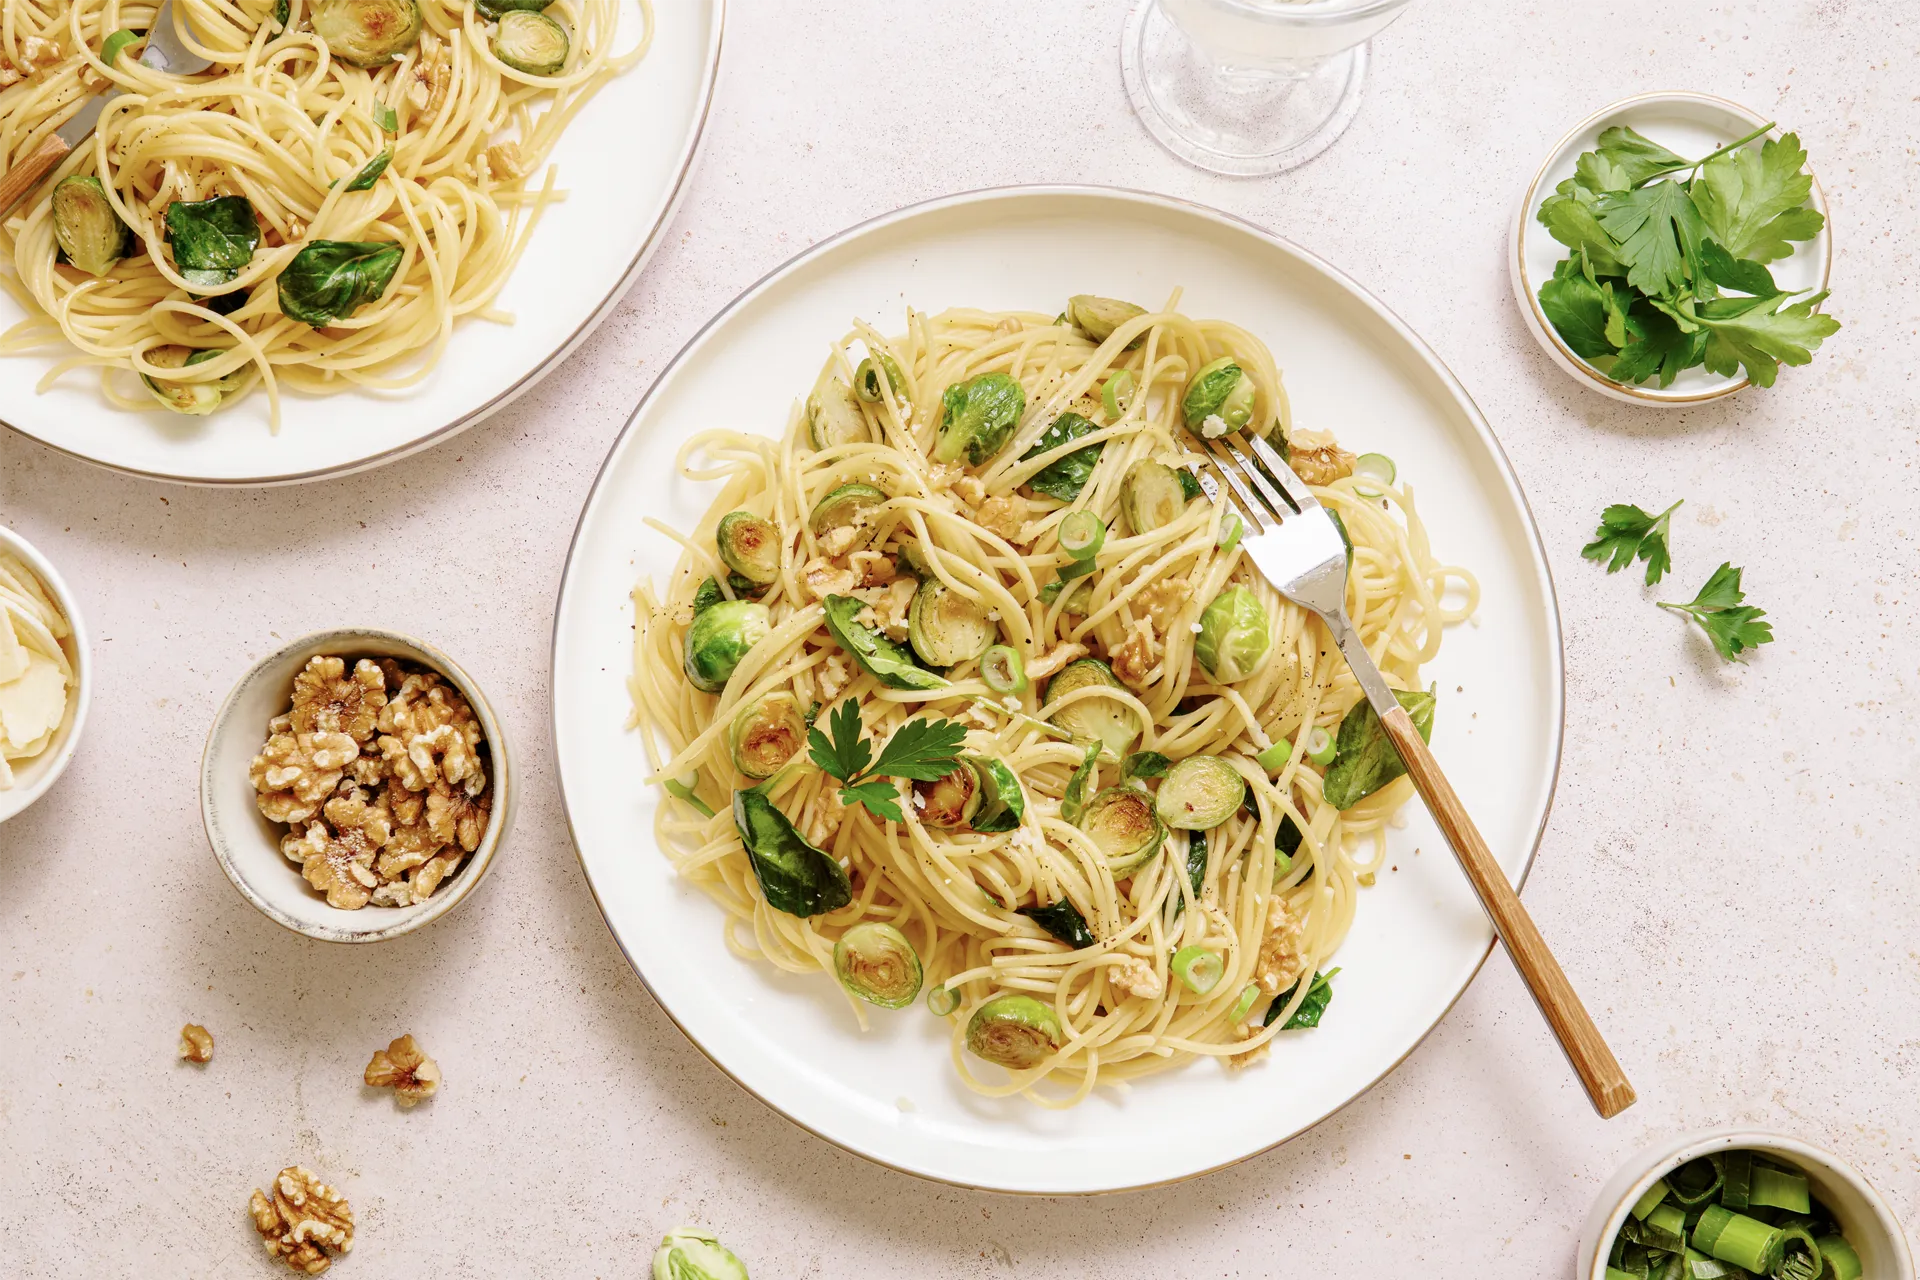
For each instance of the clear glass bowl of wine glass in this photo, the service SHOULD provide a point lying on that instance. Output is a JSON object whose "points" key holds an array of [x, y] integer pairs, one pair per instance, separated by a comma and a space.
{"points": [[1249, 87]]}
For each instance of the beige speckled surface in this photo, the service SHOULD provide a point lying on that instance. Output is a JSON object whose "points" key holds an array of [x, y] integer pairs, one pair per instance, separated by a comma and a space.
{"points": [[1728, 872]]}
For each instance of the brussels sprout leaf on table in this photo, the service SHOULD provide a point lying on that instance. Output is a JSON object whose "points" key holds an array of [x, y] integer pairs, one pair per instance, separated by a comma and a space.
{"points": [[1668, 262]]}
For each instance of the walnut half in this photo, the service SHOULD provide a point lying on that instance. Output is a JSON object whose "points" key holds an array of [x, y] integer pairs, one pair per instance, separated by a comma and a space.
{"points": [[406, 1069], [196, 1043], [305, 1222]]}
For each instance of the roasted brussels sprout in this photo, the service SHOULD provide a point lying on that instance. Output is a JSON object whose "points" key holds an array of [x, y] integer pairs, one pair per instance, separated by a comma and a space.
{"points": [[951, 801], [850, 507], [1234, 635], [876, 962], [1219, 399], [367, 33], [750, 546], [1099, 317], [1106, 720], [1123, 826], [834, 417], [766, 733], [1151, 496], [866, 380], [977, 417], [1013, 1031], [196, 398], [85, 226], [530, 42], [720, 637], [946, 627], [1003, 804], [1200, 793], [689, 1254]]}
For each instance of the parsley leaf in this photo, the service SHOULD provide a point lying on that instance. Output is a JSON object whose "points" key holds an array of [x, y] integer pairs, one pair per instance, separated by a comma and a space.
{"points": [[881, 798], [1569, 218], [1578, 310], [1626, 533], [1751, 200], [1659, 232], [1761, 337], [846, 755], [1656, 345], [919, 751], [1732, 626], [1624, 159], [922, 750], [1729, 272]]}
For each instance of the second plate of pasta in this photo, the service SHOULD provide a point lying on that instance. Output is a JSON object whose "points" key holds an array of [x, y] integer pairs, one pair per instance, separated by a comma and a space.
{"points": [[910, 586]]}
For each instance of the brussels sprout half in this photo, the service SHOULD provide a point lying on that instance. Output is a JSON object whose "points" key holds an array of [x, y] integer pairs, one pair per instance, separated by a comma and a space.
{"points": [[531, 42], [720, 637], [1013, 1031], [1106, 720], [1099, 317], [1151, 496], [834, 417], [367, 33], [85, 226], [766, 733], [1219, 399], [847, 506], [1234, 635], [1123, 826], [1200, 793], [750, 546], [196, 398], [977, 417], [1003, 804], [951, 801], [947, 628], [876, 962], [686, 1253]]}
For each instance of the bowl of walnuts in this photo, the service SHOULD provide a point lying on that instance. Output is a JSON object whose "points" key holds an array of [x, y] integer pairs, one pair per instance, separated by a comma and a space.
{"points": [[356, 785]]}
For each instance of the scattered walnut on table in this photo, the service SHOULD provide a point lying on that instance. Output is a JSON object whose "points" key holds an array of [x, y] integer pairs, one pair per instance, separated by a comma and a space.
{"points": [[406, 1069], [305, 1222], [196, 1043]]}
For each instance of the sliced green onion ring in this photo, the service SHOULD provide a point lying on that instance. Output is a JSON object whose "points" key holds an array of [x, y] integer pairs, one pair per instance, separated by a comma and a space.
{"points": [[1198, 968], [1081, 535], [1320, 747], [1244, 1005], [942, 1000], [684, 791], [1275, 756], [1231, 528], [1002, 669], [1377, 467], [1117, 394]]}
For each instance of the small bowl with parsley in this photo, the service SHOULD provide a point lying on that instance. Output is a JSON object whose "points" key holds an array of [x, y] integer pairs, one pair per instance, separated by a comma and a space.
{"points": [[1673, 249]]}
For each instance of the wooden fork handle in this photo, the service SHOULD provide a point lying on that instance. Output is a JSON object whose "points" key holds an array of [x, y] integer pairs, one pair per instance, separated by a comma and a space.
{"points": [[26, 174], [1599, 1072]]}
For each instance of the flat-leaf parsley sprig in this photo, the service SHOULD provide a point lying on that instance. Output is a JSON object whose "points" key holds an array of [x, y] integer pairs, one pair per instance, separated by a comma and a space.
{"points": [[1627, 532], [1732, 626], [921, 750]]}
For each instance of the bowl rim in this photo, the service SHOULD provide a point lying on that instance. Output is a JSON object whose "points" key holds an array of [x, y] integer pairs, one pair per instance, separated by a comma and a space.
{"points": [[1609, 1212], [478, 863], [1537, 323], [17, 800]]}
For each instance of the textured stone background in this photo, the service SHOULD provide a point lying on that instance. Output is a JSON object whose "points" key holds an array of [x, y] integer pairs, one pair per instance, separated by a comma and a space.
{"points": [[1729, 871]]}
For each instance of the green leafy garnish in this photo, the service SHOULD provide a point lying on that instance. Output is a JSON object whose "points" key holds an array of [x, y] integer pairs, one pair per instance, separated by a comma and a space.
{"points": [[1658, 232], [331, 279], [1364, 756], [1144, 764], [1073, 802], [212, 239], [1627, 533], [794, 876], [891, 664], [1064, 478], [1319, 996], [386, 117], [920, 750], [1752, 201], [370, 173], [1063, 920], [1732, 626]]}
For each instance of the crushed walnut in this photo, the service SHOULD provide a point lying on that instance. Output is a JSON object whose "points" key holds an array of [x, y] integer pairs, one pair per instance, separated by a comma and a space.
{"points": [[1135, 658], [429, 77], [196, 1043], [37, 53], [822, 578], [1135, 977], [887, 607], [872, 568], [380, 775], [1320, 464], [502, 162], [1006, 516], [404, 1067], [1280, 964], [1163, 600], [972, 490], [305, 1222], [1057, 657], [835, 674]]}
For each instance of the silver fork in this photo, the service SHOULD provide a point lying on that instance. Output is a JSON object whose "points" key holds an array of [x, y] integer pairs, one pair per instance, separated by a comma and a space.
{"points": [[1291, 538]]}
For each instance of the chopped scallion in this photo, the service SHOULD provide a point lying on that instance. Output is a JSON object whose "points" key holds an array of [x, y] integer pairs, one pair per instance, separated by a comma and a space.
{"points": [[942, 1000], [1003, 670], [684, 791], [1736, 1173], [1747, 1243], [1650, 1200], [1842, 1262], [1231, 527], [1199, 968], [1776, 1188], [1695, 1182], [1320, 746], [1377, 467], [1275, 756], [1244, 1005], [1081, 535], [1117, 394]]}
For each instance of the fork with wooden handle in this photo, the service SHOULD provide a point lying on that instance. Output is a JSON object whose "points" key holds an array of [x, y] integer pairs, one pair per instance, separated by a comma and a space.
{"points": [[1293, 541], [164, 52]]}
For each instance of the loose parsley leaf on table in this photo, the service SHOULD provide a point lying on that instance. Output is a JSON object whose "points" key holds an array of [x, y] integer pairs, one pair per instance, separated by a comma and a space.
{"points": [[920, 750], [1732, 626], [1627, 533]]}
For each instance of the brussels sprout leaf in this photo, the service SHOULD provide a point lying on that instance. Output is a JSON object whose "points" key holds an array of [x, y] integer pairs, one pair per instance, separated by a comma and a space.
{"points": [[331, 279], [1074, 802], [794, 876], [1144, 764], [1064, 478], [386, 117]]}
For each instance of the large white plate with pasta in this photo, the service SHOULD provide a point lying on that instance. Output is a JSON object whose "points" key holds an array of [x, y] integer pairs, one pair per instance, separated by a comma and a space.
{"points": [[409, 366], [891, 1092]]}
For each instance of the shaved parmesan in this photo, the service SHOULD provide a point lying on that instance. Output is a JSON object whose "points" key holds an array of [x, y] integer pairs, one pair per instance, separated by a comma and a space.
{"points": [[32, 704], [35, 673]]}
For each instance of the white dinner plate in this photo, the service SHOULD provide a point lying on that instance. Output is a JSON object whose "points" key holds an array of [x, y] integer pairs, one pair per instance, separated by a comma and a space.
{"points": [[891, 1094], [623, 161]]}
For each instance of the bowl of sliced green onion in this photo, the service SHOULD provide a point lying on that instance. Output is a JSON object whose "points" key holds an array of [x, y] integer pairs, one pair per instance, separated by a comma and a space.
{"points": [[1729, 1204]]}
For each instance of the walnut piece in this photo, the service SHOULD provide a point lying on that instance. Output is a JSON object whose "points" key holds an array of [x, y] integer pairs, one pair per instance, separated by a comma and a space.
{"points": [[887, 607], [404, 1067], [1134, 977], [1056, 658], [196, 1043], [822, 578], [305, 1222], [1135, 658], [429, 77], [1320, 464], [295, 772], [1006, 516], [327, 699], [1280, 964]]}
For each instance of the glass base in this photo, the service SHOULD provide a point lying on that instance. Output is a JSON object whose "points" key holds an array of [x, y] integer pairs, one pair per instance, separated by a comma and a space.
{"points": [[1244, 123]]}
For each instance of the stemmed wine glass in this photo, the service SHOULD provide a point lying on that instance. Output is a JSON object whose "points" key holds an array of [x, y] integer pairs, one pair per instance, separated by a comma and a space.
{"points": [[1249, 87]]}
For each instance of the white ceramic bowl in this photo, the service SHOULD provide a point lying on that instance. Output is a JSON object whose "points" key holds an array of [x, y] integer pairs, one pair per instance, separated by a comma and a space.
{"points": [[248, 846], [32, 778], [1692, 124], [1865, 1220]]}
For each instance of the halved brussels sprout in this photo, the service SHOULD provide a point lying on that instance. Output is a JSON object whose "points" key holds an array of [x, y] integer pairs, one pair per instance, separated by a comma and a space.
{"points": [[977, 417], [1234, 635], [1099, 317], [1219, 399], [866, 381], [85, 226], [1151, 496], [1123, 826], [367, 33], [951, 801], [1200, 793], [750, 546], [876, 962], [196, 398], [1107, 720], [686, 1253], [531, 42], [766, 733], [847, 507], [946, 627], [1013, 1031], [719, 638], [1003, 804], [834, 417]]}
